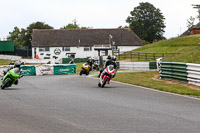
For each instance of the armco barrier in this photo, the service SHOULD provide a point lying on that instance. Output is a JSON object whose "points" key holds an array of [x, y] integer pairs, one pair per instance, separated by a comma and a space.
{"points": [[64, 69], [185, 72], [138, 65], [28, 70]]}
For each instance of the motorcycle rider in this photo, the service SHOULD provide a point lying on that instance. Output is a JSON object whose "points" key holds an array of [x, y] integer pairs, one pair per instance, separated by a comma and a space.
{"points": [[17, 65], [110, 61], [72, 61], [90, 62]]}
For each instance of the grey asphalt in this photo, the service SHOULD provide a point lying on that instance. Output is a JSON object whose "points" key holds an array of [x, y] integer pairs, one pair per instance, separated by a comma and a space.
{"points": [[74, 104]]}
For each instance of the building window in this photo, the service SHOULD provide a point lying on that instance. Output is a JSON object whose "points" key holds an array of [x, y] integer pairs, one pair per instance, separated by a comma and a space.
{"points": [[66, 48], [87, 48], [44, 49], [70, 55], [114, 47]]}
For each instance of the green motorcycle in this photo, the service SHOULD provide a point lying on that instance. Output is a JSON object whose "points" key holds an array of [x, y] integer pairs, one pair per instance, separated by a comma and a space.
{"points": [[11, 77]]}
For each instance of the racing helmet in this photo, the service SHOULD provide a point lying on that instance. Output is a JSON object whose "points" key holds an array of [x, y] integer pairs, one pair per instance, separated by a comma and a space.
{"points": [[17, 64], [109, 57], [114, 58]]}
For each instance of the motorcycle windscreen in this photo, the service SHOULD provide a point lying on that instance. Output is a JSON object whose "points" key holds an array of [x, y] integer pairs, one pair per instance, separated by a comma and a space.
{"points": [[16, 70], [110, 67]]}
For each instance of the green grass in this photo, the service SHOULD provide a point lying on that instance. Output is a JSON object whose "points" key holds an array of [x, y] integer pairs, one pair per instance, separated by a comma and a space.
{"points": [[4, 62], [78, 67], [146, 79], [188, 46]]}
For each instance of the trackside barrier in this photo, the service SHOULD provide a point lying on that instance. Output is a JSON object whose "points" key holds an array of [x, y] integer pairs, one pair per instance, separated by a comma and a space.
{"points": [[138, 65], [2, 68], [46, 69], [185, 72], [28, 70], [64, 69]]}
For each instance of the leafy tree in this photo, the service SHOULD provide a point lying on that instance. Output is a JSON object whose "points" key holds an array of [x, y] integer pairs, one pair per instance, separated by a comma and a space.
{"points": [[74, 25], [121, 27], [14, 36], [70, 26], [28, 32], [190, 22], [86, 28], [23, 37], [147, 22]]}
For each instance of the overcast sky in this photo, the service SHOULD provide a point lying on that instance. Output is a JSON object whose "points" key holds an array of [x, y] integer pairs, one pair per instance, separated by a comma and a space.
{"points": [[90, 13]]}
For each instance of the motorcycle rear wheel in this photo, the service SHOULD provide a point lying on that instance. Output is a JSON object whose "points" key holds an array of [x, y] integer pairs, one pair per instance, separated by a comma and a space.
{"points": [[87, 72], [81, 72]]}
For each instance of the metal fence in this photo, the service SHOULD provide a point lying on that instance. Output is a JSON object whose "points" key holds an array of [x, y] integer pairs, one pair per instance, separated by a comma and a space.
{"points": [[25, 53], [185, 72]]}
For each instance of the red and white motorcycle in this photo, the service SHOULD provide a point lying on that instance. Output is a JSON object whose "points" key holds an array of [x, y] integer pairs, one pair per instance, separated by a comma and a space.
{"points": [[106, 76]]}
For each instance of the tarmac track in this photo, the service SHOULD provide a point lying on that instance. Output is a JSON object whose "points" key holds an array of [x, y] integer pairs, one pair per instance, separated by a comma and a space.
{"points": [[74, 104]]}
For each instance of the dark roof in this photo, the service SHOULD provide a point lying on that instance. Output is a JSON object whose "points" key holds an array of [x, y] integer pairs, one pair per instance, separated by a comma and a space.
{"points": [[196, 26], [187, 32], [83, 37]]}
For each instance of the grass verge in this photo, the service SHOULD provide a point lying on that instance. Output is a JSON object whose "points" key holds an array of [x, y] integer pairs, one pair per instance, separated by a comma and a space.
{"points": [[4, 62], [148, 79]]}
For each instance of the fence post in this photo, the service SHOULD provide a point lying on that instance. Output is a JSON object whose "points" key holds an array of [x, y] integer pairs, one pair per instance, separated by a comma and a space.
{"points": [[145, 56], [131, 54]]}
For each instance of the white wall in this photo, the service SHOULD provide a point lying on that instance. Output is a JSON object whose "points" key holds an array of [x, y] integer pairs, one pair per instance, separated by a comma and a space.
{"points": [[127, 48], [80, 53], [10, 57]]}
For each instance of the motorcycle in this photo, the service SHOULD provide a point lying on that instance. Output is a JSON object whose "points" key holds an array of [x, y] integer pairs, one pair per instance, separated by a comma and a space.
{"points": [[106, 76], [85, 69], [11, 77]]}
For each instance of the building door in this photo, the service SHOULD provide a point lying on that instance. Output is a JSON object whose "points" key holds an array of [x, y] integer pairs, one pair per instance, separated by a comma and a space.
{"points": [[34, 52]]}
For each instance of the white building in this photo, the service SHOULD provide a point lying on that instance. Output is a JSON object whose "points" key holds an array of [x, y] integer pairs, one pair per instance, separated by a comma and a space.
{"points": [[82, 43]]}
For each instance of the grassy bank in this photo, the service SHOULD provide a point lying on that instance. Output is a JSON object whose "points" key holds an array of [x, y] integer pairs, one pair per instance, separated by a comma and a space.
{"points": [[151, 80], [188, 46]]}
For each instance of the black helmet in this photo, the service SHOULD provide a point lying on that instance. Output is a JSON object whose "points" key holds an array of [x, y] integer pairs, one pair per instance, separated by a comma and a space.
{"points": [[17, 64], [114, 58], [109, 57]]}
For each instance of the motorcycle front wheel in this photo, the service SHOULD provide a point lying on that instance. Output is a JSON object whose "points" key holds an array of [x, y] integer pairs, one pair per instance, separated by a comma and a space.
{"points": [[104, 82], [5, 84]]}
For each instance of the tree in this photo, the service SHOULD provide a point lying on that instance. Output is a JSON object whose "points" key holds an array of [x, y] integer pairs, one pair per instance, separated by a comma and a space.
{"points": [[147, 22], [74, 25], [28, 33], [14, 36], [70, 26], [121, 27], [23, 37], [190, 22]]}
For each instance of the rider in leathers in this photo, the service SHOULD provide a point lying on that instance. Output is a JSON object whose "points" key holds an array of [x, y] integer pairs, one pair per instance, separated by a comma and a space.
{"points": [[109, 62]]}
